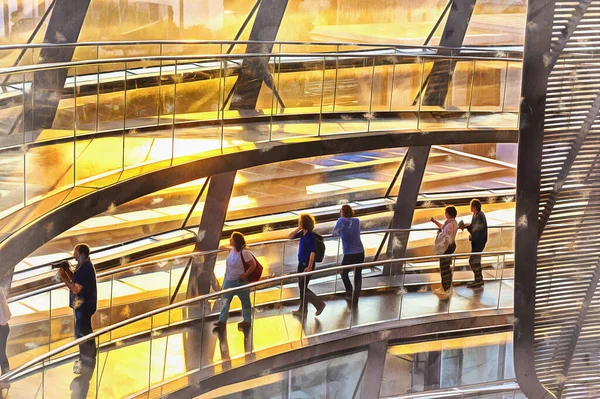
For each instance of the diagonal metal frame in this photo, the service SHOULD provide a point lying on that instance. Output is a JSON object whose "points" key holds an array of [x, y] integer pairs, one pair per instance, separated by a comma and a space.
{"points": [[586, 304], [569, 161], [559, 45], [540, 14]]}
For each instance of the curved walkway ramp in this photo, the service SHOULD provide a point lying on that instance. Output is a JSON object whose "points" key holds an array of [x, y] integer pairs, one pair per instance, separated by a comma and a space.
{"points": [[131, 126], [173, 347]]}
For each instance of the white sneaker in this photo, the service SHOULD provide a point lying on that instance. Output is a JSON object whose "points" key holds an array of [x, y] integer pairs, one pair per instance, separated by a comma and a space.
{"points": [[77, 367], [443, 294]]}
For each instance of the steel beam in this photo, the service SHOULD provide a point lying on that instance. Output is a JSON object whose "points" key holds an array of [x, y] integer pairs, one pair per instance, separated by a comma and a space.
{"points": [[255, 71], [209, 232], [453, 36], [414, 170], [535, 79], [41, 102], [373, 375]]}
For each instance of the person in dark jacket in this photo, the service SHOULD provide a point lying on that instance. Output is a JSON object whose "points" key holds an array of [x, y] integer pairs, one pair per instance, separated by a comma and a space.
{"points": [[83, 299], [478, 235], [306, 263]]}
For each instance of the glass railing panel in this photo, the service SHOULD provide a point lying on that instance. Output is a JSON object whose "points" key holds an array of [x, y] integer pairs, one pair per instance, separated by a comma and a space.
{"points": [[111, 96], [12, 180], [142, 94], [406, 88], [198, 86], [274, 324], [12, 98], [512, 94], [116, 50], [439, 98], [137, 291], [352, 95], [166, 97], [248, 100], [180, 49], [336, 377], [489, 85], [125, 365], [85, 80], [30, 329], [381, 95], [147, 150], [298, 90], [62, 319], [179, 270], [92, 170], [49, 170]]}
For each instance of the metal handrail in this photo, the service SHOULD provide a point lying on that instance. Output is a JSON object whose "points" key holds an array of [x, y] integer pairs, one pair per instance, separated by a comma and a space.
{"points": [[191, 301], [221, 57], [205, 253], [209, 42], [465, 391]]}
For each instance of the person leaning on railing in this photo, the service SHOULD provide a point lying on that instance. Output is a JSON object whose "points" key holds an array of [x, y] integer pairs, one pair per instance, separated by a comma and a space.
{"points": [[445, 244], [236, 276], [348, 229]]}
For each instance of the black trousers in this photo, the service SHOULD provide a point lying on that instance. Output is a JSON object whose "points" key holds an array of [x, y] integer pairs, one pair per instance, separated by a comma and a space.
{"points": [[475, 263], [353, 259], [446, 267], [83, 327], [305, 292], [4, 331]]}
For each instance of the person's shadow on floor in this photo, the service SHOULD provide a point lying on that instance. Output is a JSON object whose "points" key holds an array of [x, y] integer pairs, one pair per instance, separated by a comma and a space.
{"points": [[80, 385]]}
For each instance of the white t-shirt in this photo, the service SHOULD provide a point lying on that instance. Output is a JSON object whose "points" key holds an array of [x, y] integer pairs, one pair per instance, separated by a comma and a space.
{"points": [[4, 309], [445, 237], [234, 267]]}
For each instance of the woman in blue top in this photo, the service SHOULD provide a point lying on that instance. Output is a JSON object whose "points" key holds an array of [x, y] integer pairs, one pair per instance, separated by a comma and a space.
{"points": [[348, 228], [306, 263]]}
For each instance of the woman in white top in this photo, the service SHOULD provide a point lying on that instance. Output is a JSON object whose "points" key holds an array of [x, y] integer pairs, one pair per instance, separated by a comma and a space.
{"points": [[4, 331], [445, 244], [236, 275]]}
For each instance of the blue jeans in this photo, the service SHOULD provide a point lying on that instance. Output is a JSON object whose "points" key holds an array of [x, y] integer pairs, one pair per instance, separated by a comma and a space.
{"points": [[244, 296], [83, 327]]}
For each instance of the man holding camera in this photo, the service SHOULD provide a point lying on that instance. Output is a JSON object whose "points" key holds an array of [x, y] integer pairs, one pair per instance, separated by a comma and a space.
{"points": [[83, 299], [478, 236]]}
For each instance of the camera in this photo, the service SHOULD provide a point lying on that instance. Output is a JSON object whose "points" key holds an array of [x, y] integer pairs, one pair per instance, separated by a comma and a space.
{"points": [[63, 264]]}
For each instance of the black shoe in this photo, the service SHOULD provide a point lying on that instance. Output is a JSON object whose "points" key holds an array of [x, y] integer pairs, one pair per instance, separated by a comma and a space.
{"points": [[220, 324], [244, 324], [475, 285], [320, 309], [298, 313]]}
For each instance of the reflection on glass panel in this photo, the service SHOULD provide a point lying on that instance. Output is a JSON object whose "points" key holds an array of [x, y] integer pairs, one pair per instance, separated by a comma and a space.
{"points": [[198, 90], [49, 169], [98, 160], [147, 150], [86, 101], [512, 96], [354, 81], [12, 99], [111, 97], [446, 363], [12, 180], [489, 81], [142, 81]]}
